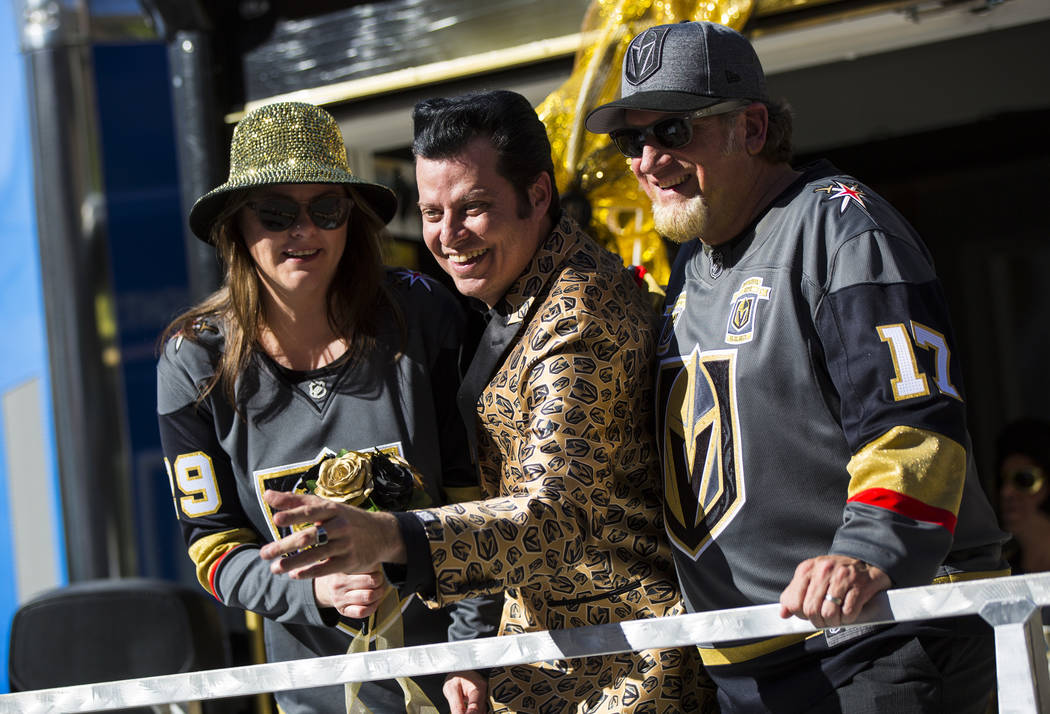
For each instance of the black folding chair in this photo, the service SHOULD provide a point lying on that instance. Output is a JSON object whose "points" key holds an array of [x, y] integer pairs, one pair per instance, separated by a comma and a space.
{"points": [[104, 630]]}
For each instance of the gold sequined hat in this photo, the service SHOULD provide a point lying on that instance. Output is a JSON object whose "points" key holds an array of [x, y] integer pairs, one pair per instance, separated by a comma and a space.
{"points": [[287, 142]]}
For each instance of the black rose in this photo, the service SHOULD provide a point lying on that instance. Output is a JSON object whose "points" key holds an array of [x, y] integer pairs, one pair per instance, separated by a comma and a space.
{"points": [[392, 483]]}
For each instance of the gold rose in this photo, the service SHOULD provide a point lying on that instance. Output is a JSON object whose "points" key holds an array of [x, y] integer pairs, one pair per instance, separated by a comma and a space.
{"points": [[346, 478]]}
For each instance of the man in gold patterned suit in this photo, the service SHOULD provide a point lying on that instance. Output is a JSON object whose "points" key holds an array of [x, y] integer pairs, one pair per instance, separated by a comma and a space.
{"points": [[559, 404]]}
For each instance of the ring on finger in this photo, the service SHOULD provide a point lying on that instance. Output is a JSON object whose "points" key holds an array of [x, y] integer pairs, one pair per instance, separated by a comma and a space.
{"points": [[831, 598], [322, 535]]}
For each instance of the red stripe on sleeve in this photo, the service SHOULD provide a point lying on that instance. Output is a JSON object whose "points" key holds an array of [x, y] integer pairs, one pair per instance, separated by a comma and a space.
{"points": [[906, 506], [214, 570]]}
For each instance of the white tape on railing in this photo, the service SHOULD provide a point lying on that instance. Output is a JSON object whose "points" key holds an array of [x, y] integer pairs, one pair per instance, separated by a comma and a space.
{"points": [[906, 604]]}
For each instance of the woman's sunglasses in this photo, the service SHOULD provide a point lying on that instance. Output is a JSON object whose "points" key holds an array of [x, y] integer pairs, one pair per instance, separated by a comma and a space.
{"points": [[671, 133], [277, 213], [1028, 480]]}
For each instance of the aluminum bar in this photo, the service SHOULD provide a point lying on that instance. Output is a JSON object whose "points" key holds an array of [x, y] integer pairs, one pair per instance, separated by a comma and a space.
{"points": [[1020, 656], [907, 604]]}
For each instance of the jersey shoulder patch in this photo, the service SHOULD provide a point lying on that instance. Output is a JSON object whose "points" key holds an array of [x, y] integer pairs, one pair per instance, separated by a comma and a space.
{"points": [[185, 364], [847, 207], [428, 307], [412, 279], [844, 194], [205, 331]]}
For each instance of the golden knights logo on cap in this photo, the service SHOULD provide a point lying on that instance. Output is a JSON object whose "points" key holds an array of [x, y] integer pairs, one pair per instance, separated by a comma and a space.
{"points": [[644, 55], [744, 311]]}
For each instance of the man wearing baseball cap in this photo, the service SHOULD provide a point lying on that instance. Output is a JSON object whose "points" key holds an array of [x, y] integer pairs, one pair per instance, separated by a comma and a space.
{"points": [[811, 411]]}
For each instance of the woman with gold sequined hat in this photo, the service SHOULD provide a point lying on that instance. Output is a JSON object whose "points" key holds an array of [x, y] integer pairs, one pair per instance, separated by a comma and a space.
{"points": [[311, 347]]}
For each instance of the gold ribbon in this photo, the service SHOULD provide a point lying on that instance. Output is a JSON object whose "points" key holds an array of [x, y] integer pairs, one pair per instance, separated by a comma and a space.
{"points": [[387, 629]]}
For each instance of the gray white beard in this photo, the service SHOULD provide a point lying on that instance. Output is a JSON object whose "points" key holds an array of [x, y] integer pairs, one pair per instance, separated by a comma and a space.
{"points": [[681, 222]]}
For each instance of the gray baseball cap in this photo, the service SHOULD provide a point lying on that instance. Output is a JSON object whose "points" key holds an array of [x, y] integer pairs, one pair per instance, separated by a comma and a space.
{"points": [[681, 68]]}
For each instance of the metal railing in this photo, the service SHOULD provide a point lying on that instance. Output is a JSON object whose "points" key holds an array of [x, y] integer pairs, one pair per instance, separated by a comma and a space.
{"points": [[1011, 605]]}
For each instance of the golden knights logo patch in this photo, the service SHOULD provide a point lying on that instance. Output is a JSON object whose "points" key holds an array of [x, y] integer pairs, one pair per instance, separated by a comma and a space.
{"points": [[644, 55], [743, 312], [292, 477], [699, 447]]}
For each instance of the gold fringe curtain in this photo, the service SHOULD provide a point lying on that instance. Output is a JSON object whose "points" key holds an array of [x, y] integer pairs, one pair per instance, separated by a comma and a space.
{"points": [[592, 176]]}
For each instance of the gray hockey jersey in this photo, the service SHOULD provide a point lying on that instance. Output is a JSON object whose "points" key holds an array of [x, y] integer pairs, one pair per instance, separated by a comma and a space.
{"points": [[810, 401]]}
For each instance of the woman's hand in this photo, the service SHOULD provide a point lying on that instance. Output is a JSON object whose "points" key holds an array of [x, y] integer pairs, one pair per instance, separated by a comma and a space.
{"points": [[466, 692], [349, 539], [357, 595]]}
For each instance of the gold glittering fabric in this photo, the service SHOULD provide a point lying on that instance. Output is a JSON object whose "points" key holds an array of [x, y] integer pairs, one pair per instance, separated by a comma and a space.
{"points": [[573, 528], [589, 164], [287, 143]]}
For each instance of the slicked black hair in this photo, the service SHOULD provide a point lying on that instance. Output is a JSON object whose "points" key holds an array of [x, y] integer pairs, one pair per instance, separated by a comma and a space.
{"points": [[443, 126]]}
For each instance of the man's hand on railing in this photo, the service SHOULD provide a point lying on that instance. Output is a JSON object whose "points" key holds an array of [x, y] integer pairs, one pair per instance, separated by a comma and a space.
{"points": [[831, 590]]}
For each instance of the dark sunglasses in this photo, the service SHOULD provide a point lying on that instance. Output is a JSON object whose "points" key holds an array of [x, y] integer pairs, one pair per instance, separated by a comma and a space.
{"points": [[1029, 480], [277, 213], [670, 133]]}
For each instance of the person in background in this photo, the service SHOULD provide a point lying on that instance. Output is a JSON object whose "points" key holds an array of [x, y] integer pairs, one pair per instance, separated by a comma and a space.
{"points": [[810, 406], [309, 347], [558, 399], [1022, 457]]}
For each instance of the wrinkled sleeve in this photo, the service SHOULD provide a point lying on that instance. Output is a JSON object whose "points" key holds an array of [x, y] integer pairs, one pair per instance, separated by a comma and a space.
{"points": [[558, 467], [883, 324]]}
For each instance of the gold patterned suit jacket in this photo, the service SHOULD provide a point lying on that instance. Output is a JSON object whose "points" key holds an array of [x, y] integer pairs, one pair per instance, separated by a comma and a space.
{"points": [[572, 527]]}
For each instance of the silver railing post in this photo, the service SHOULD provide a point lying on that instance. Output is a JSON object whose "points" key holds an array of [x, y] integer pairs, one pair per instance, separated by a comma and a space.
{"points": [[1020, 655]]}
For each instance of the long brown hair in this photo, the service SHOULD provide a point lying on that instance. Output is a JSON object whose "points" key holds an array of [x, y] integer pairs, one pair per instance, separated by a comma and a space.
{"points": [[355, 296]]}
